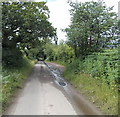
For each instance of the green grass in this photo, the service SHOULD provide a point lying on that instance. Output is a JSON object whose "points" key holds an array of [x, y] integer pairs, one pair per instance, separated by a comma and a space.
{"points": [[13, 79], [96, 77], [104, 97]]}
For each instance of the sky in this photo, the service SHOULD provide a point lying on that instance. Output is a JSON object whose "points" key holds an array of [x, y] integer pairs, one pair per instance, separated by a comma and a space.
{"points": [[60, 16]]}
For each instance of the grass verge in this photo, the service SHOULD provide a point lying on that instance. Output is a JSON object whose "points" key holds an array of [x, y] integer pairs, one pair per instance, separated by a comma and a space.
{"points": [[100, 94], [13, 79], [94, 89]]}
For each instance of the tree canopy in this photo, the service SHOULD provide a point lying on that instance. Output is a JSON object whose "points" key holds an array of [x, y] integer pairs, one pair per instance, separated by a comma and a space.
{"points": [[23, 25], [93, 26]]}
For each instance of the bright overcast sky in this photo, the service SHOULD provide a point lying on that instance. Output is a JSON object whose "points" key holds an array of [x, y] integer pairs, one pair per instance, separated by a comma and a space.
{"points": [[60, 16]]}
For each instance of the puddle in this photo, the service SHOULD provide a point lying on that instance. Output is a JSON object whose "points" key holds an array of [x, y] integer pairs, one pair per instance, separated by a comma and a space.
{"points": [[62, 83], [58, 79], [80, 104]]}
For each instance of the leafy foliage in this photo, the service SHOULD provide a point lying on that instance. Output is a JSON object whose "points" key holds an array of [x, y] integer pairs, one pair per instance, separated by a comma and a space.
{"points": [[12, 79], [93, 27], [88, 52], [24, 25], [60, 52], [97, 77], [103, 66]]}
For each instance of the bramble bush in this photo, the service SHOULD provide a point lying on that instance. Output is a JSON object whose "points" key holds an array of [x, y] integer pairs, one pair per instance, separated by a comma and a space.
{"points": [[103, 66], [97, 78]]}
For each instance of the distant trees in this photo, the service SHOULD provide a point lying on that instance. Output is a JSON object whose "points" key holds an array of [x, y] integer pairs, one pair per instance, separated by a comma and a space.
{"points": [[24, 26], [26, 29], [61, 52], [93, 27]]}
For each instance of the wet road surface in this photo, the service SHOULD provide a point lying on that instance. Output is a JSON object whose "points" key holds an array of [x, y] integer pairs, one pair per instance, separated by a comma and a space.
{"points": [[46, 93]]}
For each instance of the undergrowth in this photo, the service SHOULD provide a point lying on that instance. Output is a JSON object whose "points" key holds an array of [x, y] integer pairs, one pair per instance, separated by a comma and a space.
{"points": [[104, 97], [96, 77], [12, 79]]}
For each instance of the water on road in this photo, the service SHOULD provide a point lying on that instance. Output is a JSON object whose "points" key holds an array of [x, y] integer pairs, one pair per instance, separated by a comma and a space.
{"points": [[46, 93]]}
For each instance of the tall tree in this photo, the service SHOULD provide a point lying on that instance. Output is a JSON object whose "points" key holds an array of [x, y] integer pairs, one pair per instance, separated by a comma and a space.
{"points": [[93, 26], [24, 24]]}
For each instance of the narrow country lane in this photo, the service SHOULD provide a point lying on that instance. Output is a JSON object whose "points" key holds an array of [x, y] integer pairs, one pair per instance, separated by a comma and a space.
{"points": [[41, 95]]}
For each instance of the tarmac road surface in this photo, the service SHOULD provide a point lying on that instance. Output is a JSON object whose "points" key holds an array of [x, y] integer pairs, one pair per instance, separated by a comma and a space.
{"points": [[41, 95]]}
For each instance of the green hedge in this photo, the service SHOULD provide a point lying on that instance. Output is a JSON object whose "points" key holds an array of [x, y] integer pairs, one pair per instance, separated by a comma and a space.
{"points": [[103, 66]]}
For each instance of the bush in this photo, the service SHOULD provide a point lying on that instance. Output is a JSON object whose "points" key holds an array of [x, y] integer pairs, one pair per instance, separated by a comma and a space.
{"points": [[103, 66], [97, 78], [12, 57], [60, 52]]}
